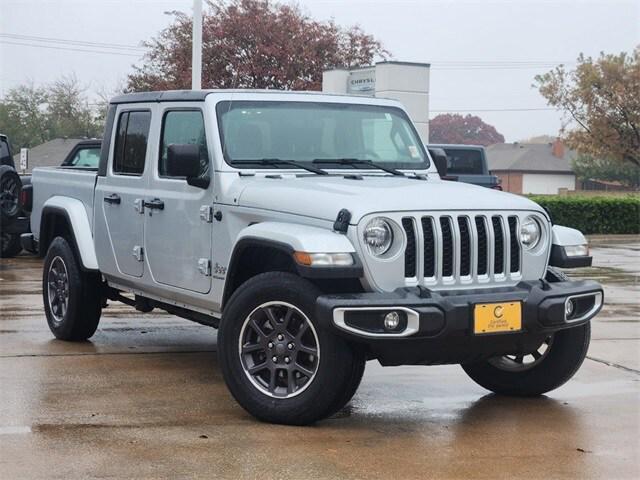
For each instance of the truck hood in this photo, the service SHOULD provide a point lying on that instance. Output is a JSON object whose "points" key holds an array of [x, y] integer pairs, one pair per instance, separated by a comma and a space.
{"points": [[324, 197]]}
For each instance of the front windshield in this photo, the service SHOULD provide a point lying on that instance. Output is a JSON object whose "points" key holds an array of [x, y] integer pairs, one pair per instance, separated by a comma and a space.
{"points": [[320, 131]]}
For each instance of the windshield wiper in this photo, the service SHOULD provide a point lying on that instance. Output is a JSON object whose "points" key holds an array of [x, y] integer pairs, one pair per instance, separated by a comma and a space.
{"points": [[278, 161], [357, 161]]}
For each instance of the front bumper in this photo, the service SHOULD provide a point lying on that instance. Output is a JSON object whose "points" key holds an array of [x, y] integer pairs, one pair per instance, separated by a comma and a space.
{"points": [[437, 327]]}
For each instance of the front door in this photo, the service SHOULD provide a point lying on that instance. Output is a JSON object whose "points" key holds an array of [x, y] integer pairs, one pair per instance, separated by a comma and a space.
{"points": [[178, 226], [118, 216]]}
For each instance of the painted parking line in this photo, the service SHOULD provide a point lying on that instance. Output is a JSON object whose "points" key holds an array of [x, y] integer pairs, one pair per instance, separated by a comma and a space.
{"points": [[15, 429]]}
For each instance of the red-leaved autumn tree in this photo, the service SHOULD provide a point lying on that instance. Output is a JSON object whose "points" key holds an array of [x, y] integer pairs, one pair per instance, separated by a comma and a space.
{"points": [[465, 130], [253, 44]]}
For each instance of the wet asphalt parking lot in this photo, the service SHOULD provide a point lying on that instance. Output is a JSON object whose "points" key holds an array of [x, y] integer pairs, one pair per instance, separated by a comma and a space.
{"points": [[145, 399]]}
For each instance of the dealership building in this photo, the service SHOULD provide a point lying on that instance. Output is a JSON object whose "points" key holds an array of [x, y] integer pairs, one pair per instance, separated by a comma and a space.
{"points": [[406, 82]]}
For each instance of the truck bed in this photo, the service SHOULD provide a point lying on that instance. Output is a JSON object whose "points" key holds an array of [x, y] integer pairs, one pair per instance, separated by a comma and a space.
{"points": [[482, 180], [71, 182]]}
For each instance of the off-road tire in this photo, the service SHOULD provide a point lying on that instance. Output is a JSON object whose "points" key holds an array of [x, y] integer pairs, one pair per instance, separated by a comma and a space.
{"points": [[10, 245], [566, 354], [10, 187], [338, 371], [357, 372], [81, 315]]}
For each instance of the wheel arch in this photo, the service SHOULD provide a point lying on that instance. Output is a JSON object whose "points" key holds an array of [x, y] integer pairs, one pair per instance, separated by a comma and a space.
{"points": [[269, 246], [253, 256], [68, 218], [564, 238]]}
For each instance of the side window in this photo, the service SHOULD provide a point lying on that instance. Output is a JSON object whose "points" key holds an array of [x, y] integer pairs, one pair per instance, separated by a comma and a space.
{"points": [[182, 127], [86, 157], [131, 143]]}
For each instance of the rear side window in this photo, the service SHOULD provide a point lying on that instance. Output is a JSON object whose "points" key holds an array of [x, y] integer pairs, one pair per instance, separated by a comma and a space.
{"points": [[86, 157], [464, 162], [131, 143], [183, 127]]}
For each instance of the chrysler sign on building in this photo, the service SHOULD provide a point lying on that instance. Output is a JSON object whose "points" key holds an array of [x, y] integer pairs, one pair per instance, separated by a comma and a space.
{"points": [[403, 81]]}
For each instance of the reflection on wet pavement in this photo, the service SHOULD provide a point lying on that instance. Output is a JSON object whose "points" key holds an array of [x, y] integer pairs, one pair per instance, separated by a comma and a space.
{"points": [[145, 398]]}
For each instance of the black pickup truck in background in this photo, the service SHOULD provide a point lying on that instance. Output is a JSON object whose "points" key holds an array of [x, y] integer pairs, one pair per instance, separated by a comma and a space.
{"points": [[16, 192], [468, 164]]}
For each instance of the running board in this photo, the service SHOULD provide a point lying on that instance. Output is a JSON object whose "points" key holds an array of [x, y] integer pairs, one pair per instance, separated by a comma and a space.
{"points": [[146, 305]]}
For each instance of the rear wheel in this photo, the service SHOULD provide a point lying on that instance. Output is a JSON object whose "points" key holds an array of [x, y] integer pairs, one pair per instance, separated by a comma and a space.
{"points": [[278, 362], [9, 245], [72, 300], [10, 186]]}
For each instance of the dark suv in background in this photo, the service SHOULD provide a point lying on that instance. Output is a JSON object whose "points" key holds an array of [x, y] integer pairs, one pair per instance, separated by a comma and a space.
{"points": [[468, 164], [13, 220], [16, 192]]}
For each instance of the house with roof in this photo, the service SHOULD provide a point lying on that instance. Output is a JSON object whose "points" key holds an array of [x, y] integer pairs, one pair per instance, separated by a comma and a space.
{"points": [[538, 168], [49, 154]]}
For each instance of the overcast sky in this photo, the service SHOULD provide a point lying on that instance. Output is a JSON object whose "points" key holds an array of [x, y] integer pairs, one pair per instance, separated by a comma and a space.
{"points": [[463, 41]]}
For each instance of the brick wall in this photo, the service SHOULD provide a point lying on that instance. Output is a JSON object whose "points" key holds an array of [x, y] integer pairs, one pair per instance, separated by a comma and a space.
{"points": [[510, 181]]}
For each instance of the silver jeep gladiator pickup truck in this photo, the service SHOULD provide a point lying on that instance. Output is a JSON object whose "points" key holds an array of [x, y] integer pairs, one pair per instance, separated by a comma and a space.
{"points": [[315, 233]]}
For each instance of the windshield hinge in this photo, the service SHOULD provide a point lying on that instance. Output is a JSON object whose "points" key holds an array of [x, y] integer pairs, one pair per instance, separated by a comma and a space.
{"points": [[418, 176]]}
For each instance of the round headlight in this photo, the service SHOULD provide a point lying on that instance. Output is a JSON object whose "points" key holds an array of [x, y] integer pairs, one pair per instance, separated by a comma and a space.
{"points": [[378, 236], [530, 233]]}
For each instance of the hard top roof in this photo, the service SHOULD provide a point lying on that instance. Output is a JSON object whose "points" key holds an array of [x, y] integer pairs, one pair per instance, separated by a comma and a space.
{"points": [[200, 95]]}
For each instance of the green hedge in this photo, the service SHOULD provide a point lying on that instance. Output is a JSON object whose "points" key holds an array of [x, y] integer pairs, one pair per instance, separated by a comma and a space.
{"points": [[602, 214]]}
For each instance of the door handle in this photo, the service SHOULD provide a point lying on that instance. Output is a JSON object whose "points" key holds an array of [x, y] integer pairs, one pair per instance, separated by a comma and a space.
{"points": [[114, 198], [155, 204]]}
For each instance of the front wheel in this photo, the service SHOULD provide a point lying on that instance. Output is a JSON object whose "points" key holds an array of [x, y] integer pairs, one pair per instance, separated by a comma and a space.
{"points": [[555, 361], [278, 362]]}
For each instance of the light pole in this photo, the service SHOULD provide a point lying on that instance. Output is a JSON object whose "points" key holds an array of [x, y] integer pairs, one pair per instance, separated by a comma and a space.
{"points": [[196, 47]]}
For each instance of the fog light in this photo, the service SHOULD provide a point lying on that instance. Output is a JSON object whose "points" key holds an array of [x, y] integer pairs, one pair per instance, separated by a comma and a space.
{"points": [[391, 320], [569, 307]]}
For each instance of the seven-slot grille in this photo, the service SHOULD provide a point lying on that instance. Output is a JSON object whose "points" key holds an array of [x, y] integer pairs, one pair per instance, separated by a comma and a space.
{"points": [[452, 248]]}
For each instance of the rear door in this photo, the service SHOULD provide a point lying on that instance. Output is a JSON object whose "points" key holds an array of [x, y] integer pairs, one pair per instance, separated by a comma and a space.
{"points": [[178, 235], [118, 204]]}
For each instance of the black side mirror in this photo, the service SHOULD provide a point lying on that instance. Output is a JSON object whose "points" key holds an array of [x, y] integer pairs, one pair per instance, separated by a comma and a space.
{"points": [[184, 161], [440, 160]]}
